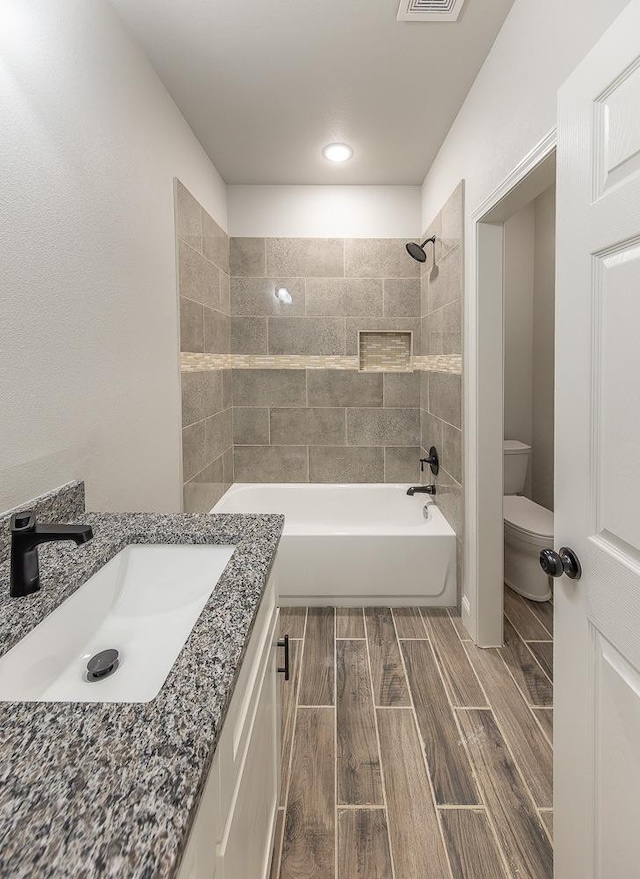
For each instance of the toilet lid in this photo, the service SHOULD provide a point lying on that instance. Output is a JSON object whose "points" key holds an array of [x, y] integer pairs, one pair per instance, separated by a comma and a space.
{"points": [[525, 515]]}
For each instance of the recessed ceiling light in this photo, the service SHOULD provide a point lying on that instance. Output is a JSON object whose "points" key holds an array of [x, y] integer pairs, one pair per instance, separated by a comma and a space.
{"points": [[337, 152]]}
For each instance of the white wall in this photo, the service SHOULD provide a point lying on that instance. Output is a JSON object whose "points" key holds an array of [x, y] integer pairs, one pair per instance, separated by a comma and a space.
{"points": [[90, 142], [544, 297], [512, 104], [519, 246], [529, 304], [325, 211]]}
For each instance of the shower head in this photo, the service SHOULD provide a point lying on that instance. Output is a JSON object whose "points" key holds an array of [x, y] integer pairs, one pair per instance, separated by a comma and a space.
{"points": [[416, 251]]}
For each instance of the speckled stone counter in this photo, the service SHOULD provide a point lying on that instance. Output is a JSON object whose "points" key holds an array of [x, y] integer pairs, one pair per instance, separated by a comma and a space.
{"points": [[111, 790]]}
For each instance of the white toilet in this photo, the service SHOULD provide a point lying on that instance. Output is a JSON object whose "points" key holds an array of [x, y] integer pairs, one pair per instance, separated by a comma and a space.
{"points": [[528, 528]]}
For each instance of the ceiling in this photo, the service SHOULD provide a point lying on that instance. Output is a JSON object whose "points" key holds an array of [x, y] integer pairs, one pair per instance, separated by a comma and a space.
{"points": [[265, 84]]}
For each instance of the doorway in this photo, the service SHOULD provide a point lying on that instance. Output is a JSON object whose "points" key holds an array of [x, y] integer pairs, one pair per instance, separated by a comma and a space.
{"points": [[482, 605]]}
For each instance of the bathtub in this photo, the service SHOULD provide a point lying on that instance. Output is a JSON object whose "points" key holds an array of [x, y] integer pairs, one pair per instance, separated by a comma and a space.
{"points": [[354, 544]]}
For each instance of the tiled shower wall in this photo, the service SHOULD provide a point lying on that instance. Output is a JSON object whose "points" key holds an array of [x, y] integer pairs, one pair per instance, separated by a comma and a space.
{"points": [[323, 425], [441, 393], [203, 288]]}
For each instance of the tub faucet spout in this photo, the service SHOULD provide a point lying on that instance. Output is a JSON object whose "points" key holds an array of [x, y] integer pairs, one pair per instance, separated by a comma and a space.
{"points": [[421, 489]]}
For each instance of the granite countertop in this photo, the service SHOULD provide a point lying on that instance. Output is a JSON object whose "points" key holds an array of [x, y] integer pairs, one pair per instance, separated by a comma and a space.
{"points": [[110, 790]]}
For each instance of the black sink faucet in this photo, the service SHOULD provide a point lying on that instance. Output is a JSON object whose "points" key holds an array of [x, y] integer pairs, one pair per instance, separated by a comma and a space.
{"points": [[26, 535], [421, 489]]}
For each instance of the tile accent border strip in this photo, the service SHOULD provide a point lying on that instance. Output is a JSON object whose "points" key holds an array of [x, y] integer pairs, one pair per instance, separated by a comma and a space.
{"points": [[191, 362]]}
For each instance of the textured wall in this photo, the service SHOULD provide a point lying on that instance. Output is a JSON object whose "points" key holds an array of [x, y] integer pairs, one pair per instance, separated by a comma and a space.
{"points": [[441, 394], [323, 425], [203, 290]]}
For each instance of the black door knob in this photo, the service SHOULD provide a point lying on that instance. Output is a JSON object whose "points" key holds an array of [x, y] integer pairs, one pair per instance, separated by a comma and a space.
{"points": [[555, 564]]}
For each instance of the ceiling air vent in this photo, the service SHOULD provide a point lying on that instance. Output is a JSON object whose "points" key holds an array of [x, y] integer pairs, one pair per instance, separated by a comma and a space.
{"points": [[430, 10]]}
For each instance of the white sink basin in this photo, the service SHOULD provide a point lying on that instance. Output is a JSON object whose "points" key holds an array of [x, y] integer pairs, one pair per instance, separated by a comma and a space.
{"points": [[143, 603]]}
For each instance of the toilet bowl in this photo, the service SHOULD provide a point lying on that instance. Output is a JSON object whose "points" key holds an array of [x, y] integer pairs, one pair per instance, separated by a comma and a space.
{"points": [[528, 528]]}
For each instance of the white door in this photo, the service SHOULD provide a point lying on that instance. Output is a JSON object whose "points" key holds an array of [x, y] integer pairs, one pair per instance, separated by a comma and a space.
{"points": [[597, 664]]}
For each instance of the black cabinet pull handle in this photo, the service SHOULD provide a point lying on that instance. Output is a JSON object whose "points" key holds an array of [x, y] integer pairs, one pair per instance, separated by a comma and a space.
{"points": [[284, 642]]}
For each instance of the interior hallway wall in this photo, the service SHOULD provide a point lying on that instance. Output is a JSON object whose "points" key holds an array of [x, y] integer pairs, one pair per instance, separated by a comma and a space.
{"points": [[90, 143]]}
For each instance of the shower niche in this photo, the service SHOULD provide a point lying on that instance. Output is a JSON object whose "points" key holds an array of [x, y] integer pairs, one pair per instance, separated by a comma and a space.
{"points": [[381, 351]]}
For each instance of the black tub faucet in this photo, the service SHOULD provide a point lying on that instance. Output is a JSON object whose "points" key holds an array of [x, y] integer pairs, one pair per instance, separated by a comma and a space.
{"points": [[421, 489], [26, 535]]}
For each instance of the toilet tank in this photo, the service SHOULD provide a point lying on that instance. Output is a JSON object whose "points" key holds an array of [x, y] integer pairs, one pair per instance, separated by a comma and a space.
{"points": [[516, 460]]}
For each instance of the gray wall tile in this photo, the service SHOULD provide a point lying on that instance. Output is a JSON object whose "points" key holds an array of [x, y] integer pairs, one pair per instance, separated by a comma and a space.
{"points": [[445, 284], [250, 426], [442, 330], [194, 454], [218, 434], [270, 463], [336, 464], [191, 326], [269, 387], [402, 297], [424, 390], [329, 387], [247, 257], [450, 500], [217, 332], [227, 468], [305, 257], [354, 325], [215, 242], [248, 335], [227, 389], [451, 454], [257, 296], [344, 296], [445, 397], [225, 293], [383, 427], [198, 279], [379, 258], [205, 489], [402, 390], [402, 464], [306, 335], [314, 427], [188, 217], [430, 432], [201, 395]]}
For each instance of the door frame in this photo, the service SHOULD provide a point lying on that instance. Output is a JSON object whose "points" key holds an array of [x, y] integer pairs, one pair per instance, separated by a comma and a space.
{"points": [[482, 601]]}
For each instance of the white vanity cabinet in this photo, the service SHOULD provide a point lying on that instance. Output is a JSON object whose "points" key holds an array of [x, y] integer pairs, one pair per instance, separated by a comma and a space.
{"points": [[233, 832]]}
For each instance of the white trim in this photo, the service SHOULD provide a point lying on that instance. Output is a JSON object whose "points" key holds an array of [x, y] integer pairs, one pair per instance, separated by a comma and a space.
{"points": [[483, 380]]}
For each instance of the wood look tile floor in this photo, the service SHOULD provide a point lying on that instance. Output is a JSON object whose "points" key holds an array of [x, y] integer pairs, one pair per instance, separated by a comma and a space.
{"points": [[409, 753]]}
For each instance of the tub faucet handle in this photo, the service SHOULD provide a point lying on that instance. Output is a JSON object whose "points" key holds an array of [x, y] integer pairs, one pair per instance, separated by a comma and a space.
{"points": [[432, 461]]}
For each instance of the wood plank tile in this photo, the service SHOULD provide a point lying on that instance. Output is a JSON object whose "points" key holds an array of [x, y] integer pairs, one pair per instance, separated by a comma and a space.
{"points": [[389, 682], [289, 699], [543, 610], [545, 716], [416, 843], [535, 685], [547, 820], [456, 619], [359, 779], [447, 760], [530, 748], [520, 833], [349, 622], [460, 679], [292, 621], [274, 873], [308, 850], [409, 622], [316, 684], [363, 845], [543, 652], [471, 845], [523, 620]]}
